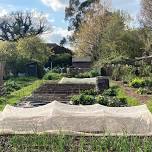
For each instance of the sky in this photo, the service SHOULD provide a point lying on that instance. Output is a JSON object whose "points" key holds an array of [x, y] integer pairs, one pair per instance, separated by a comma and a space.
{"points": [[54, 12]]}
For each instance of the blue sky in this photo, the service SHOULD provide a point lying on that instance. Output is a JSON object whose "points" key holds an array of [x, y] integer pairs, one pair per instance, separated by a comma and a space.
{"points": [[54, 11]]}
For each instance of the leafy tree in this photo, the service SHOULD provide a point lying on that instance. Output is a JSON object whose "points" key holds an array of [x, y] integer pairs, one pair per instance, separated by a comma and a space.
{"points": [[21, 24], [7, 50], [88, 38], [76, 11], [33, 48], [132, 44]]}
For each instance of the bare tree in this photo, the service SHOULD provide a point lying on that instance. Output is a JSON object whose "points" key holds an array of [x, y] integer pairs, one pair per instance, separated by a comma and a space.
{"points": [[146, 13], [21, 24]]}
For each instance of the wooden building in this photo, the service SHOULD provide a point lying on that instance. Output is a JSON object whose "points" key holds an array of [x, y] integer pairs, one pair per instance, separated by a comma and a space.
{"points": [[81, 62]]}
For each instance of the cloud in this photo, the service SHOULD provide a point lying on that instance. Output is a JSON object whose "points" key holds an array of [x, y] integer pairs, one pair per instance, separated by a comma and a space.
{"points": [[6, 9], [55, 4], [55, 35]]}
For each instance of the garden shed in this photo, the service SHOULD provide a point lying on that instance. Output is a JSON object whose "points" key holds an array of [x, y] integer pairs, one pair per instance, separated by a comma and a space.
{"points": [[82, 62]]}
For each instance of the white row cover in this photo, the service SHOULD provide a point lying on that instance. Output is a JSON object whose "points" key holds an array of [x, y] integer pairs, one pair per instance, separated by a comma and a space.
{"points": [[94, 119], [78, 80]]}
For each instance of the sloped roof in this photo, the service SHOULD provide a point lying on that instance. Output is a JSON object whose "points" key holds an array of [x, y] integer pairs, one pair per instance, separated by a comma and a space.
{"points": [[81, 59], [58, 49]]}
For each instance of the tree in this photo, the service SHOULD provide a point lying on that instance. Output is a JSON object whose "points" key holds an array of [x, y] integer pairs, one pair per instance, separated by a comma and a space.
{"points": [[107, 36], [8, 53], [76, 11], [21, 24], [146, 13], [33, 48], [7, 50], [88, 38], [63, 42]]}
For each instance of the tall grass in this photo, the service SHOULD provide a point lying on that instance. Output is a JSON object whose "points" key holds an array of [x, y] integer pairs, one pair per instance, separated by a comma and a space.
{"points": [[61, 143]]}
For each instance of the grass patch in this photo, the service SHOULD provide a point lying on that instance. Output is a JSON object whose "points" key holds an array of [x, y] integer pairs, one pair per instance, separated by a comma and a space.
{"points": [[16, 96], [23, 81], [121, 94], [131, 101], [61, 143], [149, 105]]}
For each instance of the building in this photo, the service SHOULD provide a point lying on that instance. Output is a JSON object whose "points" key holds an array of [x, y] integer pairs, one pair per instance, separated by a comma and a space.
{"points": [[82, 62]]}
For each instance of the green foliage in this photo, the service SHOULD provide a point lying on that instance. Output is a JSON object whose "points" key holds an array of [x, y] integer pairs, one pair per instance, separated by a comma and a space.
{"points": [[144, 85], [7, 50], [107, 98], [110, 92], [60, 60], [101, 100], [33, 48], [11, 86], [83, 99], [116, 73], [90, 92], [2, 100], [142, 91], [52, 76], [131, 101], [89, 74], [145, 70], [123, 72], [63, 143], [137, 83], [16, 83], [111, 101], [16, 96], [76, 12]]}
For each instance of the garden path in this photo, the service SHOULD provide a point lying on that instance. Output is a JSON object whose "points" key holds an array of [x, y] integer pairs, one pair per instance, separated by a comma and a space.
{"points": [[143, 99]]}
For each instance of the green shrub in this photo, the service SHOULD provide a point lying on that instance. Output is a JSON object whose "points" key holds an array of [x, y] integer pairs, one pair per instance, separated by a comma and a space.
{"points": [[83, 75], [142, 91], [90, 92], [52, 76], [76, 99], [2, 100], [101, 100], [110, 92], [94, 73], [145, 70], [10, 86], [137, 83], [111, 101], [83, 99], [116, 75], [89, 74]]}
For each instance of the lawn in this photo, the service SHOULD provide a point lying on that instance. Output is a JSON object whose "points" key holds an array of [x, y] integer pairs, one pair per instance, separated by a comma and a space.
{"points": [[16, 96]]}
